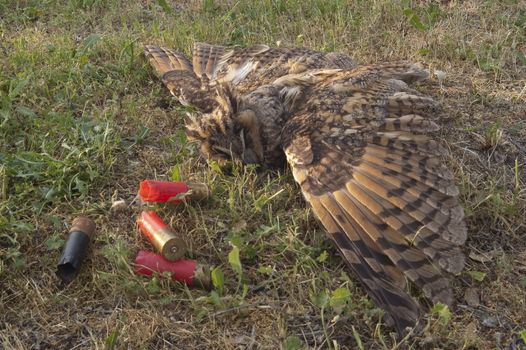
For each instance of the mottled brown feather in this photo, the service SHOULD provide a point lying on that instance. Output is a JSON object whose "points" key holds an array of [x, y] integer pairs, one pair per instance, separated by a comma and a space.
{"points": [[378, 179], [382, 279], [176, 72], [244, 69]]}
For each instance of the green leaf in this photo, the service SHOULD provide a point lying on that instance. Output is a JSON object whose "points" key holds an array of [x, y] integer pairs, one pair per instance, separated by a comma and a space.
{"points": [[141, 135], [340, 296], [265, 269], [54, 242], [523, 335], [216, 300], [477, 275], [339, 299], [215, 167], [50, 194], [245, 291], [413, 18], [292, 342], [234, 261], [523, 281], [218, 279], [321, 300], [153, 286], [176, 173], [235, 239], [323, 256], [443, 313]]}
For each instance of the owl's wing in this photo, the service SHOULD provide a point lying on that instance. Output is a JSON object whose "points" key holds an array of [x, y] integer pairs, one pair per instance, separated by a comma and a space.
{"points": [[377, 184], [214, 62], [177, 73], [249, 67], [206, 58]]}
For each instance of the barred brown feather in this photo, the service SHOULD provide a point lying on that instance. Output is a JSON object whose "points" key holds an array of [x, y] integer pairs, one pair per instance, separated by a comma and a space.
{"points": [[176, 72], [244, 69], [371, 176]]}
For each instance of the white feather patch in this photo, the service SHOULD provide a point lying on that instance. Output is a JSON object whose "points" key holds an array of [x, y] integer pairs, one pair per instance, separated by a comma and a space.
{"points": [[239, 73], [288, 94]]}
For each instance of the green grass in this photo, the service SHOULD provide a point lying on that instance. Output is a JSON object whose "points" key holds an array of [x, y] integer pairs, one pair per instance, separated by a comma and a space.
{"points": [[83, 120]]}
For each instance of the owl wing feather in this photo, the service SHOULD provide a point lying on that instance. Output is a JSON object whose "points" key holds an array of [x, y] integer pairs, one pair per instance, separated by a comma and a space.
{"points": [[177, 73], [249, 67], [356, 147], [206, 58], [242, 68]]}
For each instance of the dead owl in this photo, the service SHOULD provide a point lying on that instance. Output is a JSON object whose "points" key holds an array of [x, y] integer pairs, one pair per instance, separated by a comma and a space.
{"points": [[354, 138]]}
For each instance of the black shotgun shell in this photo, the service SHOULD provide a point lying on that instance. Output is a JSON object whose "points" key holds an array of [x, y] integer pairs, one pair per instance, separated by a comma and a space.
{"points": [[80, 233]]}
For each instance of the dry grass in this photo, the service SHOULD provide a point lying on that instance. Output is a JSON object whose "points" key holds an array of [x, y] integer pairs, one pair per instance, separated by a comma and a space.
{"points": [[83, 120]]}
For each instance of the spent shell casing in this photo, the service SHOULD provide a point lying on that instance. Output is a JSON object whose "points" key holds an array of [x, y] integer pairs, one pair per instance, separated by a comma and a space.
{"points": [[80, 233], [163, 238]]}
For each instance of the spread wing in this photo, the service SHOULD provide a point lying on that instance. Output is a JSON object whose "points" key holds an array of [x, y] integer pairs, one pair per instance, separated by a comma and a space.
{"points": [[242, 68], [246, 68], [355, 144], [177, 73]]}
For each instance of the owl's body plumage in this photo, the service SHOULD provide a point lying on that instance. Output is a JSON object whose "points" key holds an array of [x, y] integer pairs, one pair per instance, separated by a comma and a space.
{"points": [[355, 140]]}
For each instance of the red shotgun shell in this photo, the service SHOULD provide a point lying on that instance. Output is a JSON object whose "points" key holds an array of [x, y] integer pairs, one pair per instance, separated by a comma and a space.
{"points": [[189, 272], [163, 238], [173, 192]]}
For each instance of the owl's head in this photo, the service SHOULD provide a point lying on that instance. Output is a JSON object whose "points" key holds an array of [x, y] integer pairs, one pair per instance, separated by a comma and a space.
{"points": [[228, 132]]}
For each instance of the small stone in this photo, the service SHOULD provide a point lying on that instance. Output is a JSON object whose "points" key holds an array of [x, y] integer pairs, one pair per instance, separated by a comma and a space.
{"points": [[472, 297], [441, 75], [482, 257], [427, 341], [119, 205], [490, 322]]}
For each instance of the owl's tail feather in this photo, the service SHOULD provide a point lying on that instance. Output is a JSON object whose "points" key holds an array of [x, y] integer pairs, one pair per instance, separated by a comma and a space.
{"points": [[176, 72]]}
